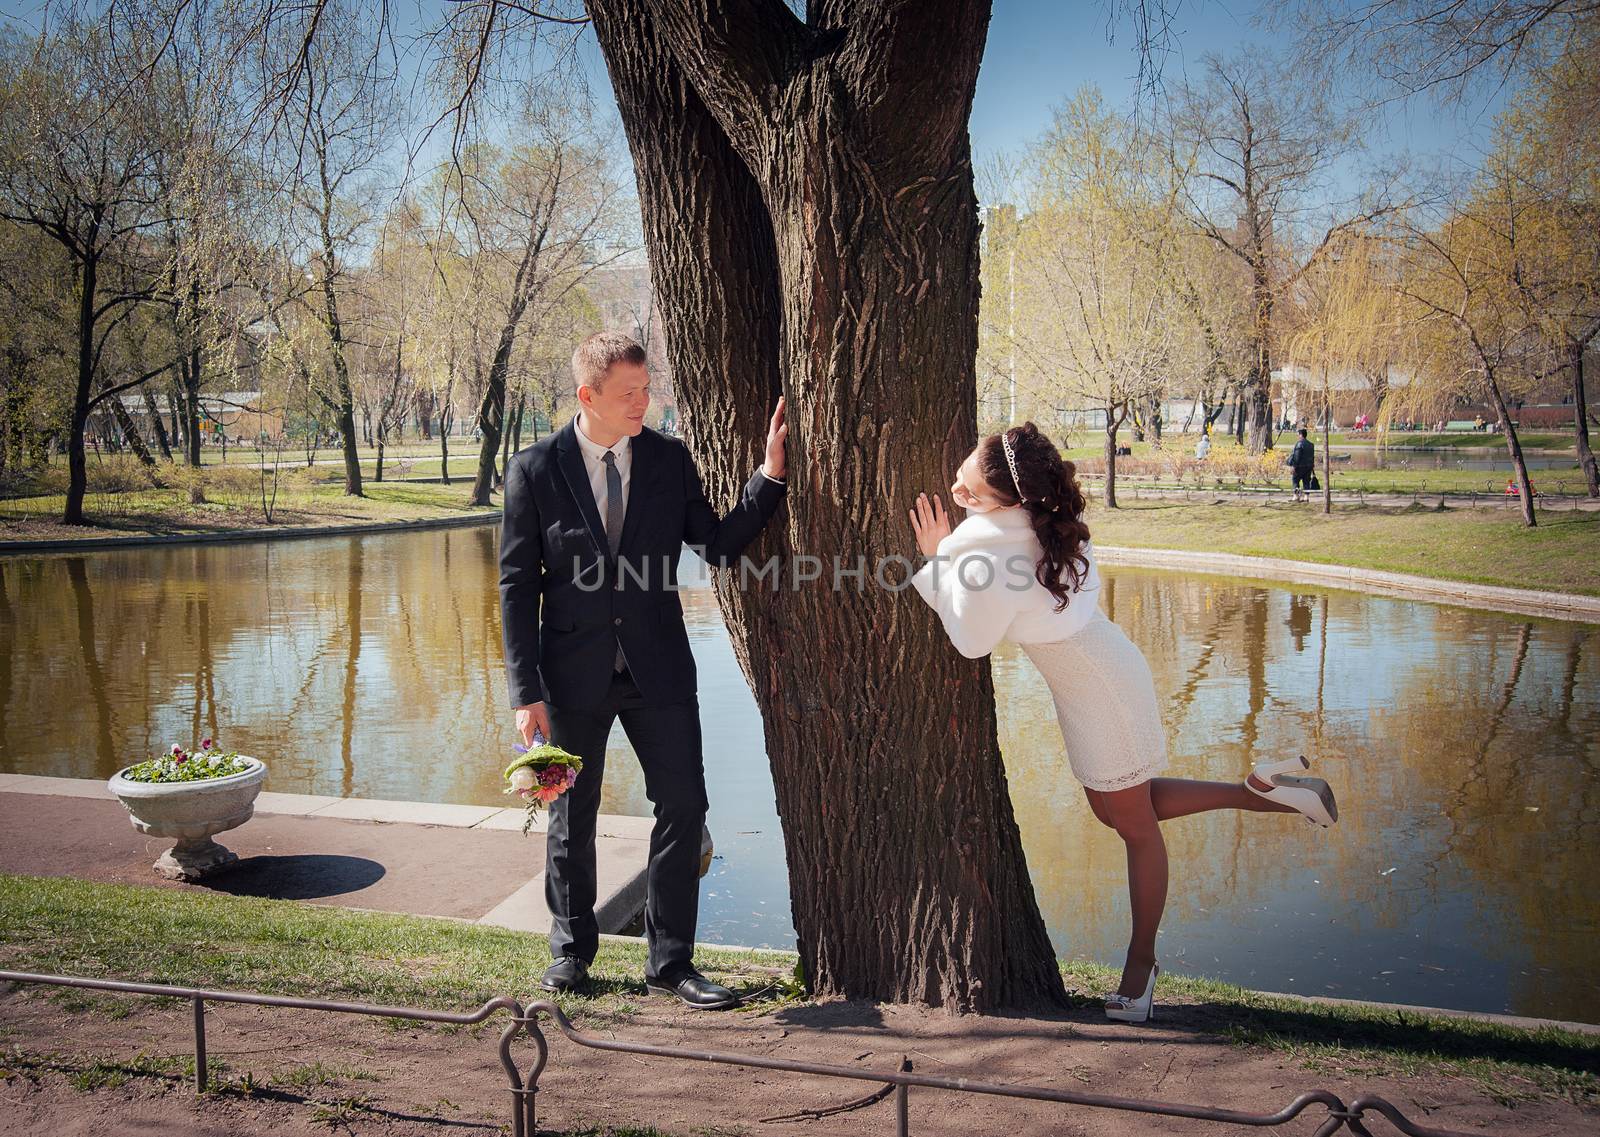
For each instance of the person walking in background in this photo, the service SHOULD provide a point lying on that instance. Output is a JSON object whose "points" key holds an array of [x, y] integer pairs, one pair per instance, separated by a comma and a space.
{"points": [[1301, 461], [1203, 448]]}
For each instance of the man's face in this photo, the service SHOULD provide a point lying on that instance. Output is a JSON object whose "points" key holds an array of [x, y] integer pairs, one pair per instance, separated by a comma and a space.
{"points": [[618, 406]]}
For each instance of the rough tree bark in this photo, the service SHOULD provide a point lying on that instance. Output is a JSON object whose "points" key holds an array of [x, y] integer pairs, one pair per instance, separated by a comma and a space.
{"points": [[1255, 395], [130, 431], [155, 422], [1513, 447], [809, 209], [1115, 416], [1580, 416], [77, 459]]}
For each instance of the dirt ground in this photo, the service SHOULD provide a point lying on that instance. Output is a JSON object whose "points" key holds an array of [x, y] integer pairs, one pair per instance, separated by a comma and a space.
{"points": [[398, 1079]]}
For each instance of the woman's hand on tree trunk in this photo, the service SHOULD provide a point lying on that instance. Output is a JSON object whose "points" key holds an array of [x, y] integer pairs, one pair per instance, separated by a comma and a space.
{"points": [[930, 523]]}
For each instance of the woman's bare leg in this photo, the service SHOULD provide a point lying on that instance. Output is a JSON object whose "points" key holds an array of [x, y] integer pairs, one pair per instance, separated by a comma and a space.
{"points": [[1179, 797], [1132, 814], [1136, 814]]}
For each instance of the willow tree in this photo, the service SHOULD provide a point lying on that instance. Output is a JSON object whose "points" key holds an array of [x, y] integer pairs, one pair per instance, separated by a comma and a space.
{"points": [[808, 204], [1346, 321]]}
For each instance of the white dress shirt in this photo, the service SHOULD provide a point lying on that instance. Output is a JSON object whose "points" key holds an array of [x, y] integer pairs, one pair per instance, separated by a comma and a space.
{"points": [[594, 462]]}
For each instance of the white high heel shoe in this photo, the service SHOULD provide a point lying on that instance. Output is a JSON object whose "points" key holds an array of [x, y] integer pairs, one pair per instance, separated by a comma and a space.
{"points": [[1127, 1009], [1311, 797]]}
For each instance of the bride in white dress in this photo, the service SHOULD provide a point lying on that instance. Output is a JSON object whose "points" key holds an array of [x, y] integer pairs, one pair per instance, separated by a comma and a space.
{"points": [[1021, 567]]}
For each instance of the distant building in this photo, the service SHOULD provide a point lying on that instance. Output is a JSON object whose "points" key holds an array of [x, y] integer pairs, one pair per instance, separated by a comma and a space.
{"points": [[240, 414]]}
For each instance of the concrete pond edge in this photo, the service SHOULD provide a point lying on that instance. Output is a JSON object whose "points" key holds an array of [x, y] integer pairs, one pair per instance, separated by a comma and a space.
{"points": [[226, 536], [1524, 601], [622, 879]]}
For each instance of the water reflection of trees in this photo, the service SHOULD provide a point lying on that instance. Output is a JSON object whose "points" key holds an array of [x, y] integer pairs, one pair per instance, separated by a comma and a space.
{"points": [[1511, 728], [1212, 660], [357, 666], [1464, 745]]}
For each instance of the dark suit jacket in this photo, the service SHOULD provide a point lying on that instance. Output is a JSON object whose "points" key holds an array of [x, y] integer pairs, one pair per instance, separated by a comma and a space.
{"points": [[564, 603]]}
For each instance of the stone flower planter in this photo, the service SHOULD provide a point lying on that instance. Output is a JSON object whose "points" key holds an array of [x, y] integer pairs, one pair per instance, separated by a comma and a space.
{"points": [[191, 812]]}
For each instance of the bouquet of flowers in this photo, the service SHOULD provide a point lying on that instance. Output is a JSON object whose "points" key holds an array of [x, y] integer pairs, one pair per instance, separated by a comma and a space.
{"points": [[541, 774], [180, 765]]}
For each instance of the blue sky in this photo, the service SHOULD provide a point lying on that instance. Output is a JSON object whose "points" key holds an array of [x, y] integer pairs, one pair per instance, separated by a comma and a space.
{"points": [[1040, 51]]}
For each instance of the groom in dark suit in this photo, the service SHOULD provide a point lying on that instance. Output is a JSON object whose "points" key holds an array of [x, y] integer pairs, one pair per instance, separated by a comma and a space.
{"points": [[596, 516]]}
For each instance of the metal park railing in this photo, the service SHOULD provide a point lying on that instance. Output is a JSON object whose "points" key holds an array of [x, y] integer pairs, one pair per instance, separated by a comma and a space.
{"points": [[524, 1018]]}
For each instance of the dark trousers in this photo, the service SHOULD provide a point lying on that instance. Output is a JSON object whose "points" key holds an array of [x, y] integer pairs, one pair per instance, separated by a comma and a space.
{"points": [[667, 741], [1302, 479]]}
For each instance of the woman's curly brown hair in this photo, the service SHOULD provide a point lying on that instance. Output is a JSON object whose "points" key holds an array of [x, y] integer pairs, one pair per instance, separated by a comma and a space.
{"points": [[1049, 491]]}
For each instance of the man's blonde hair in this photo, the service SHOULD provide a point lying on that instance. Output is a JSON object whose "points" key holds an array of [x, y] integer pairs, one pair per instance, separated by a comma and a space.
{"points": [[595, 355]]}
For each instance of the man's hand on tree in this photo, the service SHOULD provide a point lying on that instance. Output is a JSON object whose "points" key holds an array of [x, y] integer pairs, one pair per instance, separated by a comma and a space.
{"points": [[775, 464], [531, 717]]}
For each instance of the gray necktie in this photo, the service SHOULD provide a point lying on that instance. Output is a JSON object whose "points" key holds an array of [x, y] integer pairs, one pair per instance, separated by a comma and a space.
{"points": [[614, 522]]}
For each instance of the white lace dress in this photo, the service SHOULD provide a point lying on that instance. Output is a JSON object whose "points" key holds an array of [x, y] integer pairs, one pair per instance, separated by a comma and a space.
{"points": [[982, 585]]}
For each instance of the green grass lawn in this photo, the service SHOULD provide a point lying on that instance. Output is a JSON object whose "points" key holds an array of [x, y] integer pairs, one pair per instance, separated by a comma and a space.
{"points": [[72, 927], [1483, 546]]}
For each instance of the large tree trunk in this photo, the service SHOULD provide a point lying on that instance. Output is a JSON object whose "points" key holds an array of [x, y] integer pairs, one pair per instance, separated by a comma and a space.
{"points": [[491, 417], [843, 273], [492, 411], [190, 374], [1255, 401], [1327, 438], [1514, 445], [77, 459], [425, 402], [1111, 459], [130, 431], [1580, 415], [155, 422], [444, 436], [344, 405]]}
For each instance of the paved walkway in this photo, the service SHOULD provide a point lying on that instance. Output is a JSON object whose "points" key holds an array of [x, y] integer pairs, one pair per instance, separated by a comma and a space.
{"points": [[462, 862]]}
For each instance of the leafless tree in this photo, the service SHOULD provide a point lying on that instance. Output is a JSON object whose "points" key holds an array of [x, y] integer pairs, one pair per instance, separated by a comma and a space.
{"points": [[1261, 140]]}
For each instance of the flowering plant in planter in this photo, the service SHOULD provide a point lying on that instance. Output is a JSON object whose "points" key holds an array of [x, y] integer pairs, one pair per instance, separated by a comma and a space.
{"points": [[180, 765], [540, 775], [190, 796]]}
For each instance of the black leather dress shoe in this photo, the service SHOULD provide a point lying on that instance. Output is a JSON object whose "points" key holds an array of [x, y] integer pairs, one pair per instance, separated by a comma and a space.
{"points": [[695, 991], [566, 974]]}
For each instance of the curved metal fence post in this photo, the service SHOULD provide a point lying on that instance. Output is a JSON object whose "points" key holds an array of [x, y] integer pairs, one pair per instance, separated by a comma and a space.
{"points": [[524, 1110]]}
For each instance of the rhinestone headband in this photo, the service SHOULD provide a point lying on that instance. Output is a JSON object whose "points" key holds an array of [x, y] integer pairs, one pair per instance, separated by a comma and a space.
{"points": [[1011, 462]]}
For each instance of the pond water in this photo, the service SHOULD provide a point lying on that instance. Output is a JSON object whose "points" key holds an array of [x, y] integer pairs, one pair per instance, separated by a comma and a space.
{"points": [[1465, 747], [1488, 459]]}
